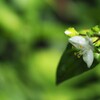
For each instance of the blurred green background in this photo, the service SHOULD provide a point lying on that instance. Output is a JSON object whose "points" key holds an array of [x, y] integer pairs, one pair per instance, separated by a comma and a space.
{"points": [[32, 41]]}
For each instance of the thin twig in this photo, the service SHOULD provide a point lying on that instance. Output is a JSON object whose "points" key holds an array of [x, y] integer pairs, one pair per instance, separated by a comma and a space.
{"points": [[96, 40]]}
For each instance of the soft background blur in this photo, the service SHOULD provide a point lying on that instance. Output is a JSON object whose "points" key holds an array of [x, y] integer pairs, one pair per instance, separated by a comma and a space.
{"points": [[32, 41]]}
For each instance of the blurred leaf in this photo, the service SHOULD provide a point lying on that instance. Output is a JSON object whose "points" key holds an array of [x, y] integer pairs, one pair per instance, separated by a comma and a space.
{"points": [[96, 29], [70, 65]]}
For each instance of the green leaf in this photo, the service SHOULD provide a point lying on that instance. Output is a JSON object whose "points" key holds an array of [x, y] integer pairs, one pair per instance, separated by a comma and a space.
{"points": [[95, 29], [70, 65]]}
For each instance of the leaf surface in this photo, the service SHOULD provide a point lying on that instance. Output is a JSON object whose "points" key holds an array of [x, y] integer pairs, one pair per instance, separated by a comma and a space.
{"points": [[71, 66]]}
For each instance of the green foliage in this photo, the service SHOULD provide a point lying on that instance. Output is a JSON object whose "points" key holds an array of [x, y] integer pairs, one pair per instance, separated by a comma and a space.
{"points": [[96, 29], [31, 43], [70, 65]]}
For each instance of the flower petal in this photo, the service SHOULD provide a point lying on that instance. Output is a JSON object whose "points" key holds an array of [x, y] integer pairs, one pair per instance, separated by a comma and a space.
{"points": [[88, 57], [78, 41]]}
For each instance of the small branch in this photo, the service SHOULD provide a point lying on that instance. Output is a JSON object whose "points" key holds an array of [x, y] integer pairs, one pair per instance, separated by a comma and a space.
{"points": [[97, 40]]}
